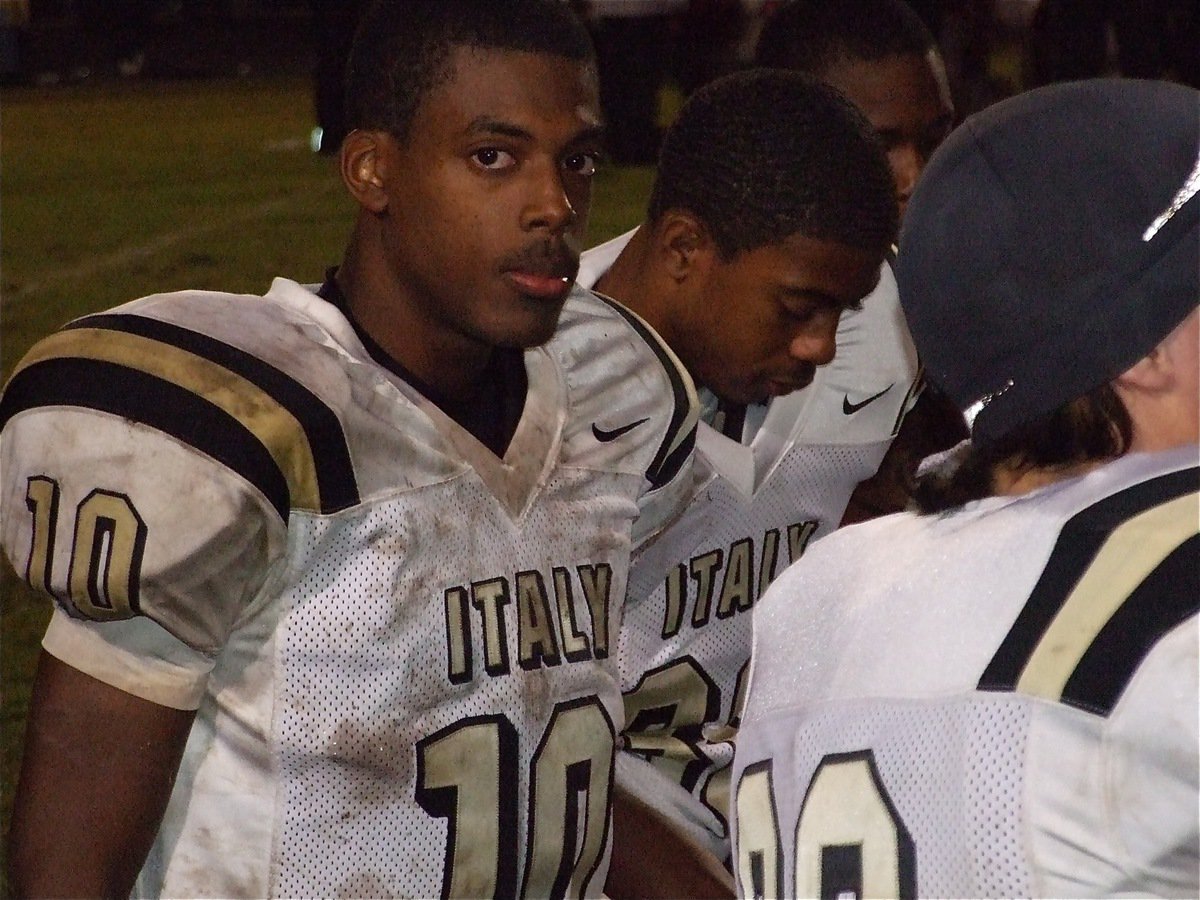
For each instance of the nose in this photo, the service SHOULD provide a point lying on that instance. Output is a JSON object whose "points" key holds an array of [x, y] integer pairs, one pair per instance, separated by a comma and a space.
{"points": [[815, 345], [547, 207], [907, 162]]}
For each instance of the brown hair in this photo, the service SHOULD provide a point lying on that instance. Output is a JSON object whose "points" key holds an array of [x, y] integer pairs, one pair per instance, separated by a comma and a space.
{"points": [[1093, 427]]}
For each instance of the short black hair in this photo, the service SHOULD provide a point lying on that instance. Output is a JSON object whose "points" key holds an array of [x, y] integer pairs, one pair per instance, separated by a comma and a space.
{"points": [[814, 35], [764, 154], [402, 49]]}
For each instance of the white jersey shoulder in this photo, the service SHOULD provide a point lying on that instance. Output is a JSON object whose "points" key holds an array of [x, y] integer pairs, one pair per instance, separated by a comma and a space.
{"points": [[1009, 691], [628, 389], [756, 505], [237, 509]]}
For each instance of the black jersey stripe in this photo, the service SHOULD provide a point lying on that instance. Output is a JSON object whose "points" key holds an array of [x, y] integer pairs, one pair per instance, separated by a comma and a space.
{"points": [[121, 391], [1169, 596], [300, 431], [320, 446], [1080, 543], [328, 452], [914, 390], [681, 431], [279, 433]]}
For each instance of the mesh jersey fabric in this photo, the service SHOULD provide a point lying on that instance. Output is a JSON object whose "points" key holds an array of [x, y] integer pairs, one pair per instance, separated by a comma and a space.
{"points": [[685, 639], [997, 701], [373, 614]]}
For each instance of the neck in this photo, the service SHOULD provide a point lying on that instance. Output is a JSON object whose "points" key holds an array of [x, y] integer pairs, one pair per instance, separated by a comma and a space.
{"points": [[633, 282], [1012, 481], [1172, 422], [451, 363]]}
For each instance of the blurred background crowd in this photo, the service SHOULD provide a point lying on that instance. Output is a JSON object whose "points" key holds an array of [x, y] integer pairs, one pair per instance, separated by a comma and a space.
{"points": [[653, 53]]}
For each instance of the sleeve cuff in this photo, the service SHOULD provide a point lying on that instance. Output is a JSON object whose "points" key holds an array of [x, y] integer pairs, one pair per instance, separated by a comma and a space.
{"points": [[136, 656]]}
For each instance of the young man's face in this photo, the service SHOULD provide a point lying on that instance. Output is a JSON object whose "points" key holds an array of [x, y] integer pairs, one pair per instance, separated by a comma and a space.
{"points": [[761, 323], [487, 201], [906, 98]]}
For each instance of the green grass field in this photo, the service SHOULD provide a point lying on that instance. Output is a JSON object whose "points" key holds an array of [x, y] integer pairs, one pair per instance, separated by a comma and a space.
{"points": [[112, 191]]}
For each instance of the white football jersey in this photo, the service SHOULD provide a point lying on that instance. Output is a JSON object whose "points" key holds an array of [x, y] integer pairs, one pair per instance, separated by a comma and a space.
{"points": [[758, 503], [999, 701], [401, 647]]}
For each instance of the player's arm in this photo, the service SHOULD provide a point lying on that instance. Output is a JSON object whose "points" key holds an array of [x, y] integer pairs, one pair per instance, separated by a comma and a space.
{"points": [[151, 549], [98, 768], [651, 858]]}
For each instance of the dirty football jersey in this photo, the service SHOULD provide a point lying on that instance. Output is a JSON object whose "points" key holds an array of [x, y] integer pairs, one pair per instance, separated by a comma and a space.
{"points": [[401, 646], [997, 701], [768, 482]]}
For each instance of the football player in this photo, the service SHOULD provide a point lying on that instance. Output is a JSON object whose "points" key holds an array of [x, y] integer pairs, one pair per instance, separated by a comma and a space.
{"points": [[763, 248], [882, 56], [885, 60], [997, 696], [339, 569]]}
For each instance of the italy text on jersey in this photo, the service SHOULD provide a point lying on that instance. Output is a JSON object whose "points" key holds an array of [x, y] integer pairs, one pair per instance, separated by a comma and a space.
{"points": [[548, 630], [736, 571]]}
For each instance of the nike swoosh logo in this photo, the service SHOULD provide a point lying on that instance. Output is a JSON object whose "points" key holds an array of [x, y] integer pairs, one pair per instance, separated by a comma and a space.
{"points": [[605, 436], [851, 408]]}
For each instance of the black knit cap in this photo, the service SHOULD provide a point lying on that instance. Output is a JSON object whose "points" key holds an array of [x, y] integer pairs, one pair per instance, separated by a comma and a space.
{"points": [[1052, 242]]}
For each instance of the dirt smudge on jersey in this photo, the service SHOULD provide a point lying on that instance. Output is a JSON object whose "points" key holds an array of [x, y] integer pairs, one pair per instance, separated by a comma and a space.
{"points": [[537, 695], [192, 866], [364, 884], [408, 600], [388, 543], [609, 541], [374, 751]]}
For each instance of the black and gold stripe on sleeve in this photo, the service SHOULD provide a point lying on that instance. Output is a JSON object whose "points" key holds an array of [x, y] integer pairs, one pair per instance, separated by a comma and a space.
{"points": [[681, 432], [225, 402], [1123, 573]]}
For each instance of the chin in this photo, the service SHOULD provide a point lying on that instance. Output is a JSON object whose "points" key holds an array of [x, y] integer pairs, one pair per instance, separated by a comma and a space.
{"points": [[532, 333], [747, 396]]}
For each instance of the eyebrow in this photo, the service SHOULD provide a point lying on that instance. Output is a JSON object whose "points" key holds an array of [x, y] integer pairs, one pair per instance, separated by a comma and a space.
{"points": [[819, 297], [489, 125]]}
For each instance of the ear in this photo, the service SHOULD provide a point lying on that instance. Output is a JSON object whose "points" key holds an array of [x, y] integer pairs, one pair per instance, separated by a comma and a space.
{"points": [[1154, 373], [684, 244], [1160, 390], [364, 161]]}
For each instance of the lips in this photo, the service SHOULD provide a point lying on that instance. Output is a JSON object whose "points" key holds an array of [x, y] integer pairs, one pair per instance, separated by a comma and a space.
{"points": [[542, 287], [543, 272]]}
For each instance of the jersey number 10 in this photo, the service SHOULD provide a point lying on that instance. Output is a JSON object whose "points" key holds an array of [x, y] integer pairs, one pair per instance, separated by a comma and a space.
{"points": [[467, 773], [106, 551]]}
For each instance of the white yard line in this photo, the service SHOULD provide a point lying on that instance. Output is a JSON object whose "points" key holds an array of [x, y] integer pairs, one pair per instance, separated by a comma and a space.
{"points": [[128, 255]]}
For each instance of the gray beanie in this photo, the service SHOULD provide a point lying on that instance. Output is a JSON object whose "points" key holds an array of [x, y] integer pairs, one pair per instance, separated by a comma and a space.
{"points": [[1052, 242]]}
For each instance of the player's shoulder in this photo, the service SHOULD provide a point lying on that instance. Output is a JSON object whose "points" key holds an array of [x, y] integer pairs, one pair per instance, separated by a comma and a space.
{"points": [[249, 333], [631, 347], [1121, 573], [599, 259], [250, 381], [1131, 484], [619, 371]]}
